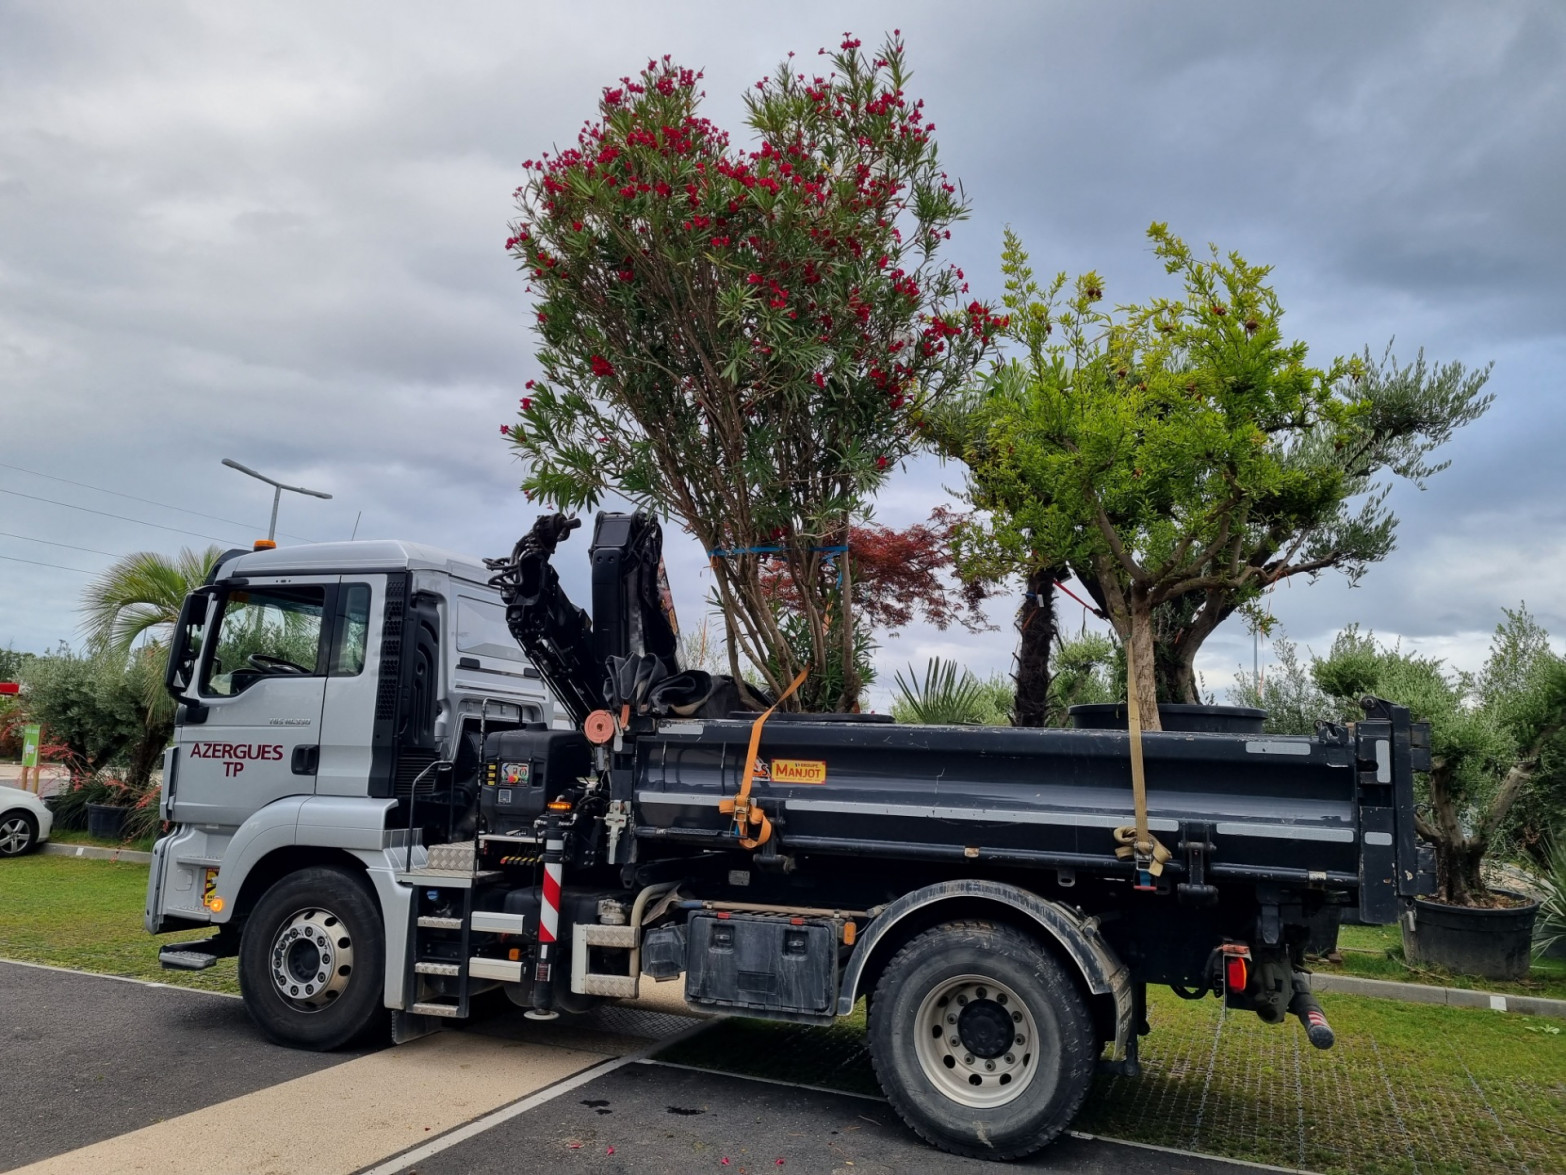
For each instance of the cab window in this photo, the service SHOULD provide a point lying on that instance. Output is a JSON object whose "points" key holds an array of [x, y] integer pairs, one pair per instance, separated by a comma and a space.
{"points": [[481, 628], [353, 629], [265, 632]]}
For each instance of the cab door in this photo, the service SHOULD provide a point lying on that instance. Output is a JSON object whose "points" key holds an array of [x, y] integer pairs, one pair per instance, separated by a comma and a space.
{"points": [[261, 681]]}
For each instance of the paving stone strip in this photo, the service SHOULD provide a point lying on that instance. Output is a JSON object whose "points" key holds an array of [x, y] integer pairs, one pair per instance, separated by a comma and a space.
{"points": [[96, 853], [1451, 997]]}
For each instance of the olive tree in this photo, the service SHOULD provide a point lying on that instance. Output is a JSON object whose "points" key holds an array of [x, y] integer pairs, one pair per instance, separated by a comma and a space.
{"points": [[1181, 456]]}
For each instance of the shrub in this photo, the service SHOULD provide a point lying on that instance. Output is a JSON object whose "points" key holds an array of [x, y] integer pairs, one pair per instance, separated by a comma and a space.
{"points": [[950, 696]]}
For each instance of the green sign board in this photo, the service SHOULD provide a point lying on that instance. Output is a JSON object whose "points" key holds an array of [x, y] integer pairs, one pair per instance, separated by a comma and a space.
{"points": [[30, 746]]}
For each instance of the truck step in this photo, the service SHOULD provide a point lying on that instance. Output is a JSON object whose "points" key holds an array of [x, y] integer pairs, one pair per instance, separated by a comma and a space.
{"points": [[623, 937], [431, 922], [457, 857], [498, 922], [174, 959], [446, 878], [622, 987], [429, 1008], [448, 969], [505, 970]]}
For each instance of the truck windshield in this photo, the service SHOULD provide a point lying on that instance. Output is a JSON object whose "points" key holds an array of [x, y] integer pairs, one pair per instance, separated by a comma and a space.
{"points": [[481, 628], [265, 632]]}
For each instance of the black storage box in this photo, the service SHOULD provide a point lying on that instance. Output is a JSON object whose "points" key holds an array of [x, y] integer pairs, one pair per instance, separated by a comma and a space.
{"points": [[525, 769], [761, 962]]}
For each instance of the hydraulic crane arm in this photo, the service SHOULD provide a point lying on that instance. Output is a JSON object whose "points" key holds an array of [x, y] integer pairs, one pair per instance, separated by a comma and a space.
{"points": [[633, 616]]}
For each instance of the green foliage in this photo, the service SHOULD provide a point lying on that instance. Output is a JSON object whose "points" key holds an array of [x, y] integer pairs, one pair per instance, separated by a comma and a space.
{"points": [[833, 679], [745, 340], [69, 803], [1088, 669], [12, 664], [1290, 695], [951, 696], [141, 593], [94, 708], [1488, 732], [1184, 454], [1550, 927]]}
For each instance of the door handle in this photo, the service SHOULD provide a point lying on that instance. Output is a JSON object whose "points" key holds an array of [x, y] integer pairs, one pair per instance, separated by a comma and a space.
{"points": [[307, 759]]}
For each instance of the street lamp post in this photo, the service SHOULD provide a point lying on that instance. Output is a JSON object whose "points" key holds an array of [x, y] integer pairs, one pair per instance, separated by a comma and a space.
{"points": [[277, 492]]}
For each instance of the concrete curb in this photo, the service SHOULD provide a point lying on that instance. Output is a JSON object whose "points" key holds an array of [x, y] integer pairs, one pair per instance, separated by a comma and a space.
{"points": [[1452, 997], [93, 852]]}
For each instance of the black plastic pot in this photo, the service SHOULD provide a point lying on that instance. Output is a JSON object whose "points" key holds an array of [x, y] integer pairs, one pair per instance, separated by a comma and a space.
{"points": [[106, 821], [1490, 944], [1175, 716]]}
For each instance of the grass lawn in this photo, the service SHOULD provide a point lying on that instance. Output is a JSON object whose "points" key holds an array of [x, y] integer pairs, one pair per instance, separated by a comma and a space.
{"points": [[1376, 952], [1409, 1088], [85, 914]]}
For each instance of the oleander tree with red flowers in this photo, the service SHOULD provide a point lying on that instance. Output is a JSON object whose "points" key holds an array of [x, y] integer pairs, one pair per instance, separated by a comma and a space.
{"points": [[747, 340]]}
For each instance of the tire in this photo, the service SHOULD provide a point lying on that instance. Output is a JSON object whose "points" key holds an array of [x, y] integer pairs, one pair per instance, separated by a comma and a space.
{"points": [[18, 833], [1025, 1051], [312, 960]]}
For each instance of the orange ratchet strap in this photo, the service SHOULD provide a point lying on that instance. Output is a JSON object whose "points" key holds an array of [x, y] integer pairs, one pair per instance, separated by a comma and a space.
{"points": [[745, 812]]}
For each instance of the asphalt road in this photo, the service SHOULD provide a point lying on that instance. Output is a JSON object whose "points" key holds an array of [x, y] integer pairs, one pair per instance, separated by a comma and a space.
{"points": [[90, 1059], [651, 1119]]}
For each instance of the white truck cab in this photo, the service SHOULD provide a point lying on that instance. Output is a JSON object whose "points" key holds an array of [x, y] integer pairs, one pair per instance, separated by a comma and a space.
{"points": [[333, 699]]}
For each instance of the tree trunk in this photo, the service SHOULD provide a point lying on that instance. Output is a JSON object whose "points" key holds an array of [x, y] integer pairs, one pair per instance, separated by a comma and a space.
{"points": [[145, 755], [1458, 855], [1140, 638], [1458, 879], [1035, 635], [1175, 674], [1180, 627], [1131, 615]]}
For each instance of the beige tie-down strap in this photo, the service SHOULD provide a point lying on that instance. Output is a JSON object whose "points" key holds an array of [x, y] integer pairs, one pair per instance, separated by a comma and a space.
{"points": [[1137, 841]]}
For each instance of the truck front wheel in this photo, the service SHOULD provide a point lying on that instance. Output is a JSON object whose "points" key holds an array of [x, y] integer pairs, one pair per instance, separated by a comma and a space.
{"points": [[312, 960], [981, 1041]]}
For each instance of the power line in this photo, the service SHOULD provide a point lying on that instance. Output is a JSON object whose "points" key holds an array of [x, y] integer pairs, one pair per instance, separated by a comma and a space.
{"points": [[106, 514], [148, 501], [29, 539], [57, 566]]}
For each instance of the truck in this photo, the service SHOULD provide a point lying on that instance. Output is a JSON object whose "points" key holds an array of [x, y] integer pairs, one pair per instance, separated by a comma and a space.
{"points": [[402, 779]]}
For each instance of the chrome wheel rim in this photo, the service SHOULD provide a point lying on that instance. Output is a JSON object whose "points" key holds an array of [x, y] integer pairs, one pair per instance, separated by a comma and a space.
{"points": [[977, 1041], [311, 959], [15, 836]]}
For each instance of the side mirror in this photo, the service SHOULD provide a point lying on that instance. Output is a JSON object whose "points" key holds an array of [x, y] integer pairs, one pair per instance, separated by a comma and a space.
{"points": [[179, 677]]}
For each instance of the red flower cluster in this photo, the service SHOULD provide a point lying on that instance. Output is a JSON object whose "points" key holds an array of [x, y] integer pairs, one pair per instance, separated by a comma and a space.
{"points": [[813, 221]]}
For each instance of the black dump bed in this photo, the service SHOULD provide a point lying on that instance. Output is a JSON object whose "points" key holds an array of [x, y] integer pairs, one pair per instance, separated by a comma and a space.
{"points": [[1332, 810], [1307, 810]]}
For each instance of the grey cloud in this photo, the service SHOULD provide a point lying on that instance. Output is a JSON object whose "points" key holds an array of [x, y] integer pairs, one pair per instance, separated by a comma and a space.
{"points": [[275, 233]]}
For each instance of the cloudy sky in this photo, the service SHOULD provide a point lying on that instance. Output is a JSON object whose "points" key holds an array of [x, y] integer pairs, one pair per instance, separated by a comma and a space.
{"points": [[274, 233]]}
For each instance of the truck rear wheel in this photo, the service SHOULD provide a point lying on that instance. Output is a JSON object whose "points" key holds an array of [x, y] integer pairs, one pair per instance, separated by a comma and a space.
{"points": [[981, 1041], [312, 960]]}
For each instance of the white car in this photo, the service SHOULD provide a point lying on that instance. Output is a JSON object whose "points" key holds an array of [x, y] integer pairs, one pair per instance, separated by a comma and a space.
{"points": [[24, 822]]}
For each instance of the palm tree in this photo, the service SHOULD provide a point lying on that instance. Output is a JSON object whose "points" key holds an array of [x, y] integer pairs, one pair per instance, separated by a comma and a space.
{"points": [[141, 593]]}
